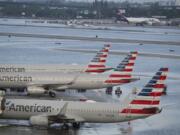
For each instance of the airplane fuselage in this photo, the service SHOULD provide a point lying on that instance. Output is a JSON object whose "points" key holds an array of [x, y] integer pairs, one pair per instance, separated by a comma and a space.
{"points": [[79, 111], [55, 80], [20, 68], [143, 20]]}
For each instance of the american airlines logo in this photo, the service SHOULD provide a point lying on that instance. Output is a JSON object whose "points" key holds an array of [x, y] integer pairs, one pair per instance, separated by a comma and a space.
{"points": [[11, 69], [16, 78], [27, 108]]}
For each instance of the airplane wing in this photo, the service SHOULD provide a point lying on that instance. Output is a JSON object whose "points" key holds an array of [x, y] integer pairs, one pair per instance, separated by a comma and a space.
{"points": [[107, 69], [63, 116], [40, 88], [172, 77], [47, 86], [53, 85], [134, 79]]}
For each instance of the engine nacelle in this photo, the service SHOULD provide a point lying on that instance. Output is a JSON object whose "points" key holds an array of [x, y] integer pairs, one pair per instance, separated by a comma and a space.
{"points": [[35, 90], [39, 121], [2, 93], [2, 104]]}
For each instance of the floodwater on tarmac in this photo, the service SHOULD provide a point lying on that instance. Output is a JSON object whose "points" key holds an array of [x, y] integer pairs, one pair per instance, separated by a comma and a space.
{"points": [[36, 50]]}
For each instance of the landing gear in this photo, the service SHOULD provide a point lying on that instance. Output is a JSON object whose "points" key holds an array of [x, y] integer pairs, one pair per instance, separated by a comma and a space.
{"points": [[81, 90], [118, 91], [139, 24], [76, 125], [52, 94], [109, 90], [65, 126]]}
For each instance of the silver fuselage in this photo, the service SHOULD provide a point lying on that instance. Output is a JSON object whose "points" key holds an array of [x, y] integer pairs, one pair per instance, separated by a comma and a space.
{"points": [[55, 80], [14, 68], [79, 111]]}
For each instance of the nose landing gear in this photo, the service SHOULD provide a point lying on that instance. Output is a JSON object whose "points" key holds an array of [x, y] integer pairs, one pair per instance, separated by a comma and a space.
{"points": [[76, 125]]}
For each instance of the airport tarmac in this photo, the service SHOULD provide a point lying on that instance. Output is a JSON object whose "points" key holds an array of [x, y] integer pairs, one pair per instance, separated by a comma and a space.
{"points": [[29, 50], [95, 38]]}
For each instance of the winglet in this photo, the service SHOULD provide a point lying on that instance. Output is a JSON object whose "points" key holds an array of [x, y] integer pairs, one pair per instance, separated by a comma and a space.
{"points": [[63, 109]]}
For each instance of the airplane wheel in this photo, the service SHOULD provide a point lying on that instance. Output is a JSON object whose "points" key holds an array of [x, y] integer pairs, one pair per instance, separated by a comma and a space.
{"points": [[52, 94], [76, 125], [81, 90], [65, 126]]}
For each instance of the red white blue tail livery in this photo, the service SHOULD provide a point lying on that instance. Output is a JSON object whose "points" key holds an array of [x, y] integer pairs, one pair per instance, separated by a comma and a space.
{"points": [[122, 73], [97, 64], [146, 102]]}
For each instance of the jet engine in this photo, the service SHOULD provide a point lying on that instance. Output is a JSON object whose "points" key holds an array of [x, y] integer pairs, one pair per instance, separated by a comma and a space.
{"points": [[39, 121], [2, 104], [35, 90]]}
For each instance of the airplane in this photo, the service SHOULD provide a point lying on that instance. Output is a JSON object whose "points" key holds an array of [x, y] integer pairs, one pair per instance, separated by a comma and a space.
{"points": [[43, 82], [96, 65], [46, 112], [137, 20]]}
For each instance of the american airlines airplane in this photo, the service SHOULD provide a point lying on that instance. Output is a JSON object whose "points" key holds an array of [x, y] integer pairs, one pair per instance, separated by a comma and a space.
{"points": [[142, 20], [137, 20], [41, 82], [97, 65], [45, 112]]}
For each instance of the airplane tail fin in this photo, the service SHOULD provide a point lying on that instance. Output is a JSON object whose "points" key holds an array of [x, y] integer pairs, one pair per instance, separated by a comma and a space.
{"points": [[146, 102], [121, 17], [122, 73], [97, 64]]}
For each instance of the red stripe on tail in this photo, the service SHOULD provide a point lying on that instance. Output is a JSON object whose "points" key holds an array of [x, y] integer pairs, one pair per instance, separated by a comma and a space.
{"points": [[127, 70], [95, 70], [118, 81], [96, 66], [118, 75], [145, 102], [129, 64], [151, 110], [159, 86], [102, 60], [154, 94], [105, 50]]}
